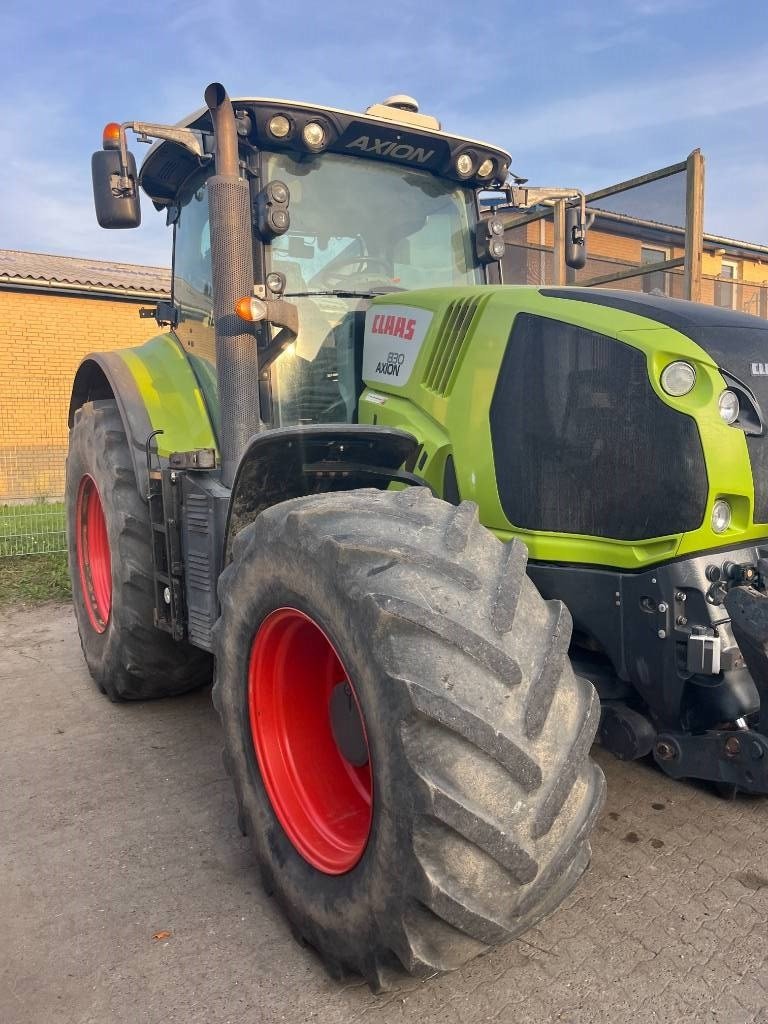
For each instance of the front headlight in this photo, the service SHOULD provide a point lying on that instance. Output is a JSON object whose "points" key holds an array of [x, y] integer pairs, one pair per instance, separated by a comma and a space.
{"points": [[678, 378], [728, 404], [721, 516]]}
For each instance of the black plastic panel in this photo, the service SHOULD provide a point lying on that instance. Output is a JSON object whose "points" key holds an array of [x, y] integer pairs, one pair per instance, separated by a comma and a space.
{"points": [[737, 341], [582, 444]]}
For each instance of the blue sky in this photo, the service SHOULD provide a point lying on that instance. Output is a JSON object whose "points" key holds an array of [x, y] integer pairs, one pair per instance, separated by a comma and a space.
{"points": [[581, 95]]}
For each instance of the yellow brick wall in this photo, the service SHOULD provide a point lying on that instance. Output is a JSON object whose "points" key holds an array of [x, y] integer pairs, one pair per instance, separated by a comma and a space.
{"points": [[42, 340]]}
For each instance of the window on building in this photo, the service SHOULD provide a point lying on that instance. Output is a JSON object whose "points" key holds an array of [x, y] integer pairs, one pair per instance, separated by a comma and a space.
{"points": [[725, 286], [654, 283]]}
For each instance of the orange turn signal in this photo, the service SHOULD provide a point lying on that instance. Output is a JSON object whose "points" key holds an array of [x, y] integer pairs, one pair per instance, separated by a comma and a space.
{"points": [[250, 308], [111, 136]]}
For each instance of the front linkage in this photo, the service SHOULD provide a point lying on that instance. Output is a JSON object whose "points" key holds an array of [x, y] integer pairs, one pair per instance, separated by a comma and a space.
{"points": [[687, 670], [734, 753], [738, 756]]}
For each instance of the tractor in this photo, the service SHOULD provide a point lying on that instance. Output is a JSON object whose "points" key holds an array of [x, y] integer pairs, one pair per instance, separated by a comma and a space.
{"points": [[412, 521]]}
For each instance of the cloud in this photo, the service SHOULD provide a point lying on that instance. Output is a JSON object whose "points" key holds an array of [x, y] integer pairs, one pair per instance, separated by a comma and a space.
{"points": [[629, 107]]}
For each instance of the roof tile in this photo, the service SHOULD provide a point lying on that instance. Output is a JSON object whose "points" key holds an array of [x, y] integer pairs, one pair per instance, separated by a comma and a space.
{"points": [[130, 278]]}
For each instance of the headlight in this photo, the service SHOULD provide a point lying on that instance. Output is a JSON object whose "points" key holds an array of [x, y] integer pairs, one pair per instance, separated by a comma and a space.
{"points": [[678, 379], [313, 135], [721, 516], [728, 403], [464, 165], [279, 126], [485, 170]]}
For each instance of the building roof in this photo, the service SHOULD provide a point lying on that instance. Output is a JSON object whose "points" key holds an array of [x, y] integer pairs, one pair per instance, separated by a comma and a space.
{"points": [[42, 271], [749, 250]]}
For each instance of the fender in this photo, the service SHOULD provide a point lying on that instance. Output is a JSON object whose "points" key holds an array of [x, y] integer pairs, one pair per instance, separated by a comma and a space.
{"points": [[293, 462], [157, 387]]}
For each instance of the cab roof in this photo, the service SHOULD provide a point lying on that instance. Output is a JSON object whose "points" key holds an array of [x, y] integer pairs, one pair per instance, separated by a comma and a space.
{"points": [[384, 132]]}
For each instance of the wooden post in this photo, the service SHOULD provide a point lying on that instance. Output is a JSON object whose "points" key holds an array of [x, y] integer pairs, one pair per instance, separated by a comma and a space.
{"points": [[694, 225], [558, 247]]}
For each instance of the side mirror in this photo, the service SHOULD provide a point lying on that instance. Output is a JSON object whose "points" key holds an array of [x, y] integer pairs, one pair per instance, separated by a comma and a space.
{"points": [[115, 195], [575, 239]]}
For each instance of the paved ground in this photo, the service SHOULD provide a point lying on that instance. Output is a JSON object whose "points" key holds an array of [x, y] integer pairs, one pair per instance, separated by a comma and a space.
{"points": [[117, 825]]}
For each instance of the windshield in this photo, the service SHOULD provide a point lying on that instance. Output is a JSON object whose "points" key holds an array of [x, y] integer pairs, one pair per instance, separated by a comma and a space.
{"points": [[358, 228], [360, 225]]}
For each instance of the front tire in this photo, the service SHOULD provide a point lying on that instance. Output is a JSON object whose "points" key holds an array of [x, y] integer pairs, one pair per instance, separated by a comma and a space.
{"points": [[110, 565], [465, 750]]}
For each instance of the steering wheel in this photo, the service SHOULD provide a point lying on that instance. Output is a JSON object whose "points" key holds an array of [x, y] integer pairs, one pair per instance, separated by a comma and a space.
{"points": [[366, 261]]}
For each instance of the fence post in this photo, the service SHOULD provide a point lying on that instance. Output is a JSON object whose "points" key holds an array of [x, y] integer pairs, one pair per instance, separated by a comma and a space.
{"points": [[558, 247], [694, 225]]}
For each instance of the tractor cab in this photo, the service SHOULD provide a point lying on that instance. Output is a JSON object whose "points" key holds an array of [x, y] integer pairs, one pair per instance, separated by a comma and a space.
{"points": [[343, 206]]}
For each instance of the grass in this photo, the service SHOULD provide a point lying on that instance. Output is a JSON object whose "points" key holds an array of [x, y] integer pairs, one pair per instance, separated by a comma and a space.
{"points": [[33, 579], [33, 562], [32, 529]]}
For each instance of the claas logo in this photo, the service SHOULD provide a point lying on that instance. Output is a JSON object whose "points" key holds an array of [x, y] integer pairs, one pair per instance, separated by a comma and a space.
{"points": [[393, 326]]}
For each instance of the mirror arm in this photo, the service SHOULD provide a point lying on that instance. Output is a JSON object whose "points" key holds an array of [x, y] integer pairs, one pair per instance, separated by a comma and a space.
{"points": [[145, 131]]}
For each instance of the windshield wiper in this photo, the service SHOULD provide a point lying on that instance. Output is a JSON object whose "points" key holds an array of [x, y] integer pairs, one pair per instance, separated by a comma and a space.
{"points": [[342, 293]]}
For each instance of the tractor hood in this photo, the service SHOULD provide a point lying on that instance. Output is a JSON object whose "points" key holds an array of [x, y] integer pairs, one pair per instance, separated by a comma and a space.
{"points": [[548, 411]]}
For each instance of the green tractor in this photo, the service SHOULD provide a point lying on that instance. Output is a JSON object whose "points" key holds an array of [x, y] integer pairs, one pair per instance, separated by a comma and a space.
{"points": [[319, 485]]}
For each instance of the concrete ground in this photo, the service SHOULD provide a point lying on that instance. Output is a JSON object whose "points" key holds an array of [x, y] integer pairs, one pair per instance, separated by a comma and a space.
{"points": [[128, 896]]}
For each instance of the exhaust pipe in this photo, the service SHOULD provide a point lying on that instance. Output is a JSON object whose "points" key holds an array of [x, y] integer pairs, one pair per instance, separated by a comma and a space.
{"points": [[237, 364]]}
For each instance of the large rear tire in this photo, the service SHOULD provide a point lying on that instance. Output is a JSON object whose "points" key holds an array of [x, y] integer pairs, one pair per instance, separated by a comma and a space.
{"points": [[110, 565], [407, 739]]}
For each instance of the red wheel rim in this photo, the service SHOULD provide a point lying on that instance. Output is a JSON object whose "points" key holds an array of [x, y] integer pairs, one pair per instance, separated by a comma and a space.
{"points": [[323, 801], [94, 560]]}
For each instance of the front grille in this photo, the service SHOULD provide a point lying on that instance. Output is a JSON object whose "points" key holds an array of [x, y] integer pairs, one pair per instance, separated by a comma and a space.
{"points": [[583, 445]]}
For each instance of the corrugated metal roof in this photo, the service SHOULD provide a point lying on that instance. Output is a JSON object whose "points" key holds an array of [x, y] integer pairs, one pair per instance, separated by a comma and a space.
{"points": [[66, 272]]}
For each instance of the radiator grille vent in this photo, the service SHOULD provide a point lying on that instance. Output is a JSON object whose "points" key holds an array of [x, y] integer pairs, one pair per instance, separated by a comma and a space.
{"points": [[447, 354]]}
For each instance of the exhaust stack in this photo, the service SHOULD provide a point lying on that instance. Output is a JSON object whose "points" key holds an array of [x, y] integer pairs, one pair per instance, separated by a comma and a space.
{"points": [[237, 365]]}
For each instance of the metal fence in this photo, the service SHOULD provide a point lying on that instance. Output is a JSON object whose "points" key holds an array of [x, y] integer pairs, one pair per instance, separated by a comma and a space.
{"points": [[645, 234], [31, 528], [32, 476]]}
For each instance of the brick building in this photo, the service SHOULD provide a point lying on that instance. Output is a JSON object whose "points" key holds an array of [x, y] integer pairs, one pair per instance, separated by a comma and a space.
{"points": [[734, 273], [53, 311]]}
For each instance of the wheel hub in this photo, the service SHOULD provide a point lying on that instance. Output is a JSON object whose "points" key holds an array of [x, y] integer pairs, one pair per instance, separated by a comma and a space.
{"points": [[310, 741], [94, 559]]}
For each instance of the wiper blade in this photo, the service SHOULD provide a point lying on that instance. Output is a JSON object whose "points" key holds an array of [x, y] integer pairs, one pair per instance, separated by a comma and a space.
{"points": [[339, 294], [343, 293]]}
